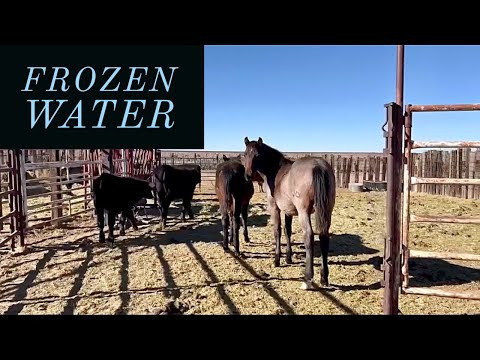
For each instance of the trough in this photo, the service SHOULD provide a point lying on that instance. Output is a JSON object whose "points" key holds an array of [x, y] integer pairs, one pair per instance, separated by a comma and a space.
{"points": [[370, 185], [355, 187]]}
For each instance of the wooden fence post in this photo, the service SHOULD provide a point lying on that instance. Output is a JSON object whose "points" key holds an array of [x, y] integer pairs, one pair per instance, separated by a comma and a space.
{"points": [[19, 159], [23, 187], [1, 189], [57, 207]]}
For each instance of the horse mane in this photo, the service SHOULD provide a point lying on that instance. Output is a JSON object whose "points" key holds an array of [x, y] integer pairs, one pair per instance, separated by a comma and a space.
{"points": [[276, 154]]}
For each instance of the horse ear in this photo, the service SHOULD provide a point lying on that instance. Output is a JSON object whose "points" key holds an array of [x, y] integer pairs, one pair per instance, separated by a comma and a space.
{"points": [[225, 158], [246, 140], [260, 141], [239, 157]]}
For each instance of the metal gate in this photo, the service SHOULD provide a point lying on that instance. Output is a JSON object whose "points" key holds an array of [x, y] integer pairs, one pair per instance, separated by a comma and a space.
{"points": [[133, 162], [14, 215], [407, 218], [398, 217]]}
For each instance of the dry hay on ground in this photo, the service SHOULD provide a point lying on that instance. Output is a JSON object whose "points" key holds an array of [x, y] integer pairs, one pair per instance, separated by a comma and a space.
{"points": [[148, 268]]}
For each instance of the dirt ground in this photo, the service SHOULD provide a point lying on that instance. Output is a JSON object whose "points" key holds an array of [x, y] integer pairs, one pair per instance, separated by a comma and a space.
{"points": [[149, 269]]}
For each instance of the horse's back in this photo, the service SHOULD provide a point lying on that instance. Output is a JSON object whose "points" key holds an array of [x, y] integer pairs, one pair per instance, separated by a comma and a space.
{"points": [[234, 171], [302, 168], [296, 189]]}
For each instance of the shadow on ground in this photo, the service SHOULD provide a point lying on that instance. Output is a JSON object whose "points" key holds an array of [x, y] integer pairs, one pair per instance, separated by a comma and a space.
{"points": [[437, 272], [347, 244]]}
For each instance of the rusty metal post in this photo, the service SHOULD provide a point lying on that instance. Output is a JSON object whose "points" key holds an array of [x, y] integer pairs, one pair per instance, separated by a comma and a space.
{"points": [[91, 173], [12, 195], [407, 173], [124, 162], [400, 74], [391, 259], [56, 195], [1, 196], [21, 190], [23, 187]]}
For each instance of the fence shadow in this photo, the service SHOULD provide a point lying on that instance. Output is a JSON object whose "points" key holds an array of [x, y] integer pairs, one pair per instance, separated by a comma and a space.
{"points": [[22, 289], [232, 308], [376, 261], [285, 306], [437, 272], [174, 212], [346, 244], [124, 281], [77, 285], [200, 230]]}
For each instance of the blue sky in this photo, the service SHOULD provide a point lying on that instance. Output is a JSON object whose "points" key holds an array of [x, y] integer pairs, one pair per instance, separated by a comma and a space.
{"points": [[330, 98]]}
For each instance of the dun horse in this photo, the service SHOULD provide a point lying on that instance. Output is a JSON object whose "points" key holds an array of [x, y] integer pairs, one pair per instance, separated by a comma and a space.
{"points": [[298, 188], [234, 193]]}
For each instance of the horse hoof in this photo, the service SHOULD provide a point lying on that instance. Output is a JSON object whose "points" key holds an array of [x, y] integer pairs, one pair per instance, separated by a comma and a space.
{"points": [[323, 282], [307, 285], [237, 254], [225, 248], [289, 260], [122, 233], [247, 240], [277, 262]]}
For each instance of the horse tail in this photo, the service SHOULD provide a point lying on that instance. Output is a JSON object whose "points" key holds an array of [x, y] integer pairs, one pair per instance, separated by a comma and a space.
{"points": [[322, 206], [227, 191]]}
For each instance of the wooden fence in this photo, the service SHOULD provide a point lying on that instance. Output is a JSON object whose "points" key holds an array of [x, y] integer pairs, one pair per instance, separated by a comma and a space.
{"points": [[45, 201], [348, 168], [457, 164], [357, 168]]}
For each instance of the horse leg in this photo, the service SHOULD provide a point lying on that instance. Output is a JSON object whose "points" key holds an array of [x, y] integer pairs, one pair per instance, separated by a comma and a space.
{"points": [[305, 223], [101, 223], [225, 224], [236, 226], [231, 217], [288, 233], [324, 247], [244, 222], [230, 229], [277, 233]]}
